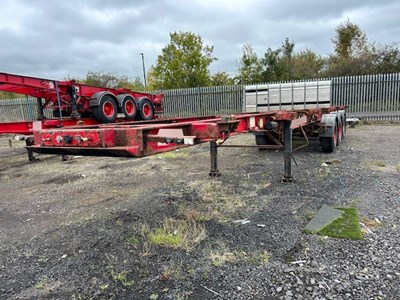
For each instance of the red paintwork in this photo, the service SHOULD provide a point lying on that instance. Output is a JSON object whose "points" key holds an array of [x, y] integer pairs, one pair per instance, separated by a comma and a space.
{"points": [[46, 89], [26, 127], [146, 138]]}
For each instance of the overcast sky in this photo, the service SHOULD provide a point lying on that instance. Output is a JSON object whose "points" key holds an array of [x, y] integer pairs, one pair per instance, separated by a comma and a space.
{"points": [[59, 38]]}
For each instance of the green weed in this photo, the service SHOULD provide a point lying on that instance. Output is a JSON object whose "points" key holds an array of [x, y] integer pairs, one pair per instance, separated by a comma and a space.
{"points": [[41, 283], [181, 234], [133, 240], [121, 277]]}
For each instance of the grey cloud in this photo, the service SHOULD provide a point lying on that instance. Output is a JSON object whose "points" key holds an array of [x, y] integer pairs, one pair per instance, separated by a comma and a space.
{"points": [[55, 39]]}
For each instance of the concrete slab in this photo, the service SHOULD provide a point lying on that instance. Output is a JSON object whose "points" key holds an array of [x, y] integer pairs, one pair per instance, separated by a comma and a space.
{"points": [[324, 217]]}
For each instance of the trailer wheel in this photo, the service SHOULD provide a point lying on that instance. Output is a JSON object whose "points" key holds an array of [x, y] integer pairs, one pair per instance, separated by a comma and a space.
{"points": [[339, 133], [129, 107], [344, 124], [329, 144], [146, 110], [106, 111]]}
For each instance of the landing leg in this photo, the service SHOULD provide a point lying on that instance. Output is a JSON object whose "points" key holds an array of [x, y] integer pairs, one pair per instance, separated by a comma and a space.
{"points": [[40, 109], [214, 163], [29, 142], [287, 152], [72, 94]]}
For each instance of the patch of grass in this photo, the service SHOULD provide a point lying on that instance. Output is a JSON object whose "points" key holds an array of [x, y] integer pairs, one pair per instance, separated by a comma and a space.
{"points": [[141, 232], [41, 283], [221, 255], [373, 164], [347, 226], [133, 240], [121, 277], [397, 167], [260, 258], [220, 258], [153, 296], [180, 153], [181, 234], [218, 201], [191, 214]]}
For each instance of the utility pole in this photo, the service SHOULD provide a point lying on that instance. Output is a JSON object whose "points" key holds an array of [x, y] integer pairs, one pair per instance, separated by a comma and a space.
{"points": [[144, 70]]}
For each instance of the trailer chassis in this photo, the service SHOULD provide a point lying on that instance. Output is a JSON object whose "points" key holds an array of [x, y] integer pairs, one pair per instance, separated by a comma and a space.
{"points": [[138, 139]]}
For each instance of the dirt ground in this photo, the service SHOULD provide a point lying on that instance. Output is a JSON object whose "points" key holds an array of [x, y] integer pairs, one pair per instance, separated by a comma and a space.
{"points": [[81, 229]]}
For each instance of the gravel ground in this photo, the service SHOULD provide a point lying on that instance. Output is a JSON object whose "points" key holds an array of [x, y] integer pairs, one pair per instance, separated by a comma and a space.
{"points": [[79, 229]]}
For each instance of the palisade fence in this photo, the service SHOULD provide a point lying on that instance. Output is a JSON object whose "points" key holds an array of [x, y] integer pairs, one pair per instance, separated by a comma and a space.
{"points": [[24, 109], [370, 97], [203, 101]]}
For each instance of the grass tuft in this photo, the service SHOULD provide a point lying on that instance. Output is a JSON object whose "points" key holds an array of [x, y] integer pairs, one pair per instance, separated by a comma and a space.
{"points": [[370, 222], [220, 258], [373, 164], [121, 277], [133, 240], [41, 283], [180, 153], [347, 226], [182, 234]]}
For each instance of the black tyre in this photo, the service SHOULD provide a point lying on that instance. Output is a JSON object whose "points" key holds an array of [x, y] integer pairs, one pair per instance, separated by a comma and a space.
{"points": [[339, 133], [146, 110], [344, 125], [106, 111], [329, 144], [129, 107]]}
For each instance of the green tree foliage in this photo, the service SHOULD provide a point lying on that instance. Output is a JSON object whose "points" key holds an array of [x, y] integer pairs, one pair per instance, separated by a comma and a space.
{"points": [[184, 62], [278, 64], [386, 58], [306, 64], [8, 95], [273, 65], [110, 80], [221, 78], [349, 40], [250, 67], [287, 51], [354, 55]]}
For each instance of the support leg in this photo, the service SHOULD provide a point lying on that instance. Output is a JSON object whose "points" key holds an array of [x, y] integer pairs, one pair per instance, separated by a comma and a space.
{"points": [[287, 152], [72, 94], [29, 142], [214, 163], [40, 109]]}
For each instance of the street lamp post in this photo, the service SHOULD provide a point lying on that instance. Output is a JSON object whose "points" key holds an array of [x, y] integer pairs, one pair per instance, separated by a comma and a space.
{"points": [[144, 70]]}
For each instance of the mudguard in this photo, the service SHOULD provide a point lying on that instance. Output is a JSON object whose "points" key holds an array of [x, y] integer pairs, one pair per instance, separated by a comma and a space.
{"points": [[96, 98], [140, 100], [330, 120], [121, 98]]}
